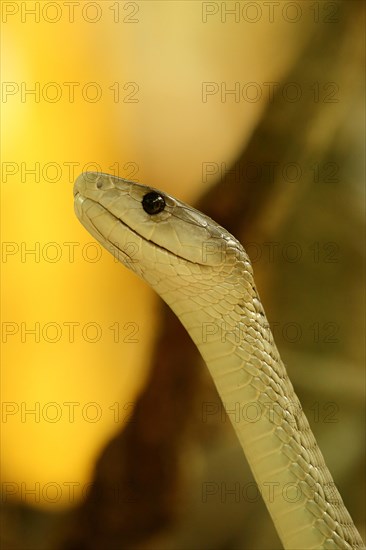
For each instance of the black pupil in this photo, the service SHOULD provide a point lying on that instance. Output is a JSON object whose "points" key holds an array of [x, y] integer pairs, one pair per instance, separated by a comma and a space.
{"points": [[153, 203]]}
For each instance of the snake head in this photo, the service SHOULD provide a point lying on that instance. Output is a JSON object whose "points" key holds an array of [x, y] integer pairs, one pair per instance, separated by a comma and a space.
{"points": [[142, 225]]}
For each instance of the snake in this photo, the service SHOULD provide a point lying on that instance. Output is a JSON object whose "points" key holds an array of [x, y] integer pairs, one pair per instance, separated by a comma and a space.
{"points": [[205, 276]]}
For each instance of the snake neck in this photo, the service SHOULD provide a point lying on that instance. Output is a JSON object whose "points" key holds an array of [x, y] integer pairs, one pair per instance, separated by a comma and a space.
{"points": [[230, 329]]}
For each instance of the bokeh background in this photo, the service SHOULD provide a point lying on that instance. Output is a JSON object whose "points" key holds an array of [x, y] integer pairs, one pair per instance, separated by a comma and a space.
{"points": [[255, 112]]}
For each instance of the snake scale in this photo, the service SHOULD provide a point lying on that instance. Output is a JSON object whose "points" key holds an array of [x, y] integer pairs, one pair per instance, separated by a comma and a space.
{"points": [[205, 276]]}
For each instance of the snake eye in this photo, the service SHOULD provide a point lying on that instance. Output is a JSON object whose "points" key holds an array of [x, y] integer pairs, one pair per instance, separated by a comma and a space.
{"points": [[153, 203]]}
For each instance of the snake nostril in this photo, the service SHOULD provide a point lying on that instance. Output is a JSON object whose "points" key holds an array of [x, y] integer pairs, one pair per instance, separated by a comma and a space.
{"points": [[99, 183]]}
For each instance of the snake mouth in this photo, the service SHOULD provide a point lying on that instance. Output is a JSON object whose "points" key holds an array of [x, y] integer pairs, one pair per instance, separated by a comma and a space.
{"points": [[78, 205], [87, 221]]}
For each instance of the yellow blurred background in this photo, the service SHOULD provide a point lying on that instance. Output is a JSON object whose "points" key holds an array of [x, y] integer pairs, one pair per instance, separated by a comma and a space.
{"points": [[117, 87]]}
